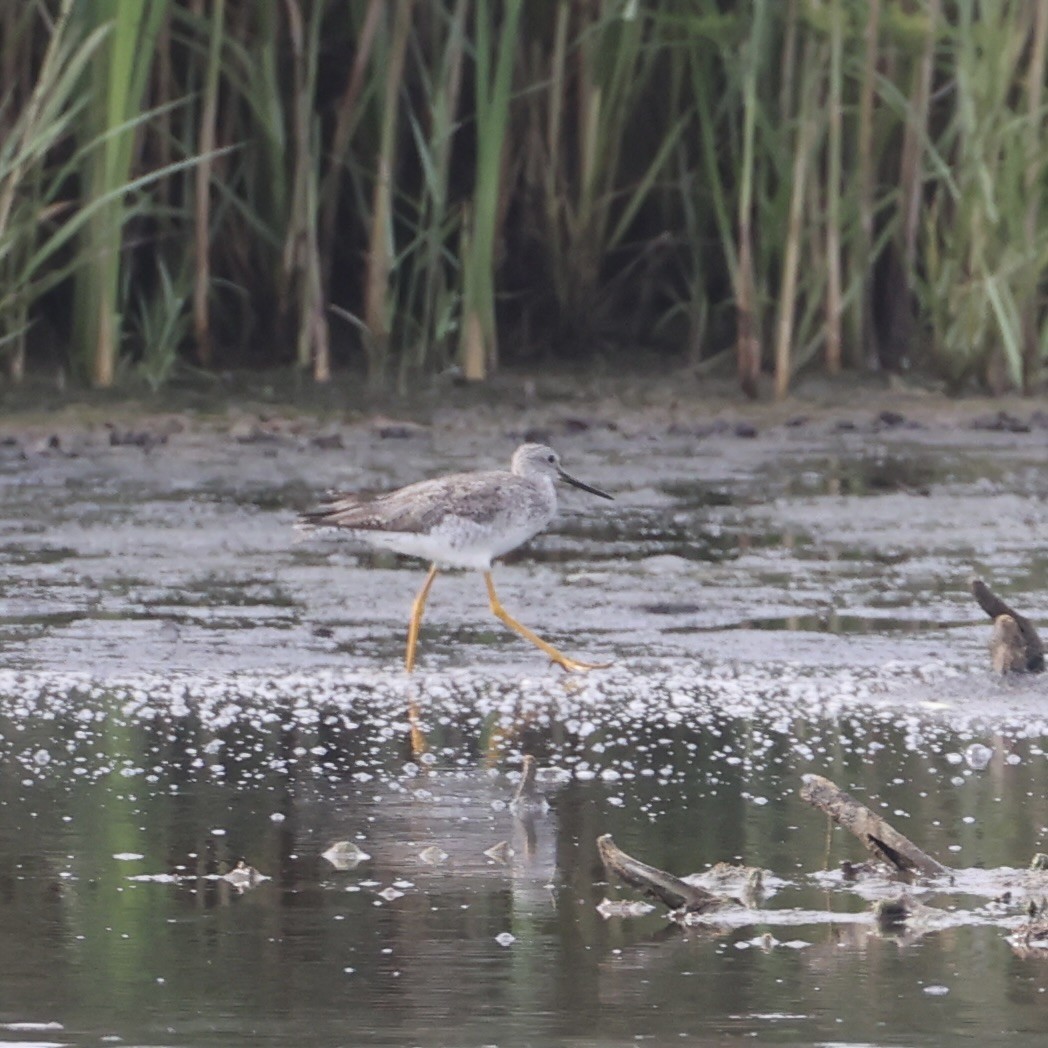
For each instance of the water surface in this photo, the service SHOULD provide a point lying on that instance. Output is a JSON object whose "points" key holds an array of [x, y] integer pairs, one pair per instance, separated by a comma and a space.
{"points": [[183, 687]]}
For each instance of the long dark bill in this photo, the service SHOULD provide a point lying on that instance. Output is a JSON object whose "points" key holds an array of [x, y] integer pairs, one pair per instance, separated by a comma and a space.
{"points": [[585, 487]]}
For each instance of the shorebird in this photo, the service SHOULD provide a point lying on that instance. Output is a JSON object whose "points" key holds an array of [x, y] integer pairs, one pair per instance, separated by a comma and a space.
{"points": [[462, 520]]}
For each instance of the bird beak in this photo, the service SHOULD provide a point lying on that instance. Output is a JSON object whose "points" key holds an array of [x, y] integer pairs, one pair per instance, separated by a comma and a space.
{"points": [[585, 487]]}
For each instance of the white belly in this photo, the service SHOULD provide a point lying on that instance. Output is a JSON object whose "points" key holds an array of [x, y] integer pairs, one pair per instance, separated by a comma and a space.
{"points": [[455, 543]]}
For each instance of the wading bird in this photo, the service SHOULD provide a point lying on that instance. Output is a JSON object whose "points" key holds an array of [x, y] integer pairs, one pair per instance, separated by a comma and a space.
{"points": [[462, 520]]}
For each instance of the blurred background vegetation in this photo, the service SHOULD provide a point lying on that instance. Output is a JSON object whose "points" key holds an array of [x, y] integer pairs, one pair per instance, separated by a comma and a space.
{"points": [[398, 188]]}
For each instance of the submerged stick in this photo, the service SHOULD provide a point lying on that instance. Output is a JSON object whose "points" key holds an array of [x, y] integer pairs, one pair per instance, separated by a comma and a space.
{"points": [[882, 840], [528, 800], [656, 883]]}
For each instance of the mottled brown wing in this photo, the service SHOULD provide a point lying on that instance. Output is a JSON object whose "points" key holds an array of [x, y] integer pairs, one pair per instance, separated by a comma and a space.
{"points": [[418, 508]]}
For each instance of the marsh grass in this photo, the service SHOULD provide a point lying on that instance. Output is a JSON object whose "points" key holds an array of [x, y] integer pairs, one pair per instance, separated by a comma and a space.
{"points": [[978, 277], [112, 120], [400, 187]]}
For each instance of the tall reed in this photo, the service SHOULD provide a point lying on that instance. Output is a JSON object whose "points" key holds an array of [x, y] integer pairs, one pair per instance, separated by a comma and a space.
{"points": [[493, 56], [863, 259], [431, 293], [834, 188], [302, 261], [32, 118], [112, 120], [597, 153], [378, 301], [978, 247], [42, 110], [799, 185], [202, 189]]}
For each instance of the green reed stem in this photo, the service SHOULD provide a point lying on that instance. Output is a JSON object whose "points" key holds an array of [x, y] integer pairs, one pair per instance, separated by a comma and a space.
{"points": [[115, 90], [492, 87]]}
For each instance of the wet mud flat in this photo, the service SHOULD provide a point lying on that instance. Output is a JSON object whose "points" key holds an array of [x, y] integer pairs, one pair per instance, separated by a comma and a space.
{"points": [[185, 686]]}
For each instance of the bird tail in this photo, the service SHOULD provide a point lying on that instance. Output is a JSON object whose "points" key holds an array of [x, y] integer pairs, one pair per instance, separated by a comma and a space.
{"points": [[340, 511], [311, 520], [319, 518]]}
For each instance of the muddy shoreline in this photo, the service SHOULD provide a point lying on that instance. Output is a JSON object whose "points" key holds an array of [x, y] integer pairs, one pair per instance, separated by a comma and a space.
{"points": [[258, 406], [834, 531]]}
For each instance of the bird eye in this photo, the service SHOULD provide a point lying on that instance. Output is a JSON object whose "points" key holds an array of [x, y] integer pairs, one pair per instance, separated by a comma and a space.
{"points": [[552, 458]]}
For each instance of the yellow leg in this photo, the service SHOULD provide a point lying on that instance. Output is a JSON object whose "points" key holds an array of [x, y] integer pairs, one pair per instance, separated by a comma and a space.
{"points": [[418, 738], [561, 660], [417, 735], [417, 608]]}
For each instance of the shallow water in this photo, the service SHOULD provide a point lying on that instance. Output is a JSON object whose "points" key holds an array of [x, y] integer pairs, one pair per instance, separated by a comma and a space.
{"points": [[184, 686]]}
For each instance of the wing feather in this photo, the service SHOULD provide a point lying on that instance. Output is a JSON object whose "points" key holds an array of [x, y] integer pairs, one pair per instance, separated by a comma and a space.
{"points": [[419, 508]]}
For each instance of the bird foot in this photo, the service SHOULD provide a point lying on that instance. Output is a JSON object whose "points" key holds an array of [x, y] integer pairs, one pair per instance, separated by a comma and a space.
{"points": [[574, 666]]}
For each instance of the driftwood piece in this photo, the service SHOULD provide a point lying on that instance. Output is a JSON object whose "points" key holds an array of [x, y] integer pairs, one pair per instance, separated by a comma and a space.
{"points": [[744, 884], [656, 883], [1030, 939], [882, 840], [1015, 646], [903, 909]]}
